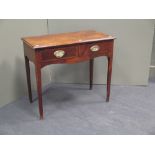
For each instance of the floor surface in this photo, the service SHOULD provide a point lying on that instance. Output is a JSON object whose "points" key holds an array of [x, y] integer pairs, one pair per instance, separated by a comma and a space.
{"points": [[74, 110]]}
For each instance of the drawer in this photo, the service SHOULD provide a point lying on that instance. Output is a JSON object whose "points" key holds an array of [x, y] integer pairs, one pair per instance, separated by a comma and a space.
{"points": [[59, 53], [95, 49]]}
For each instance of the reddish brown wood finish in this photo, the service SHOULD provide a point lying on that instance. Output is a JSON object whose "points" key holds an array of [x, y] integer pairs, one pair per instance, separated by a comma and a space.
{"points": [[65, 39], [40, 50], [39, 88], [70, 52], [109, 77], [29, 53], [105, 46]]}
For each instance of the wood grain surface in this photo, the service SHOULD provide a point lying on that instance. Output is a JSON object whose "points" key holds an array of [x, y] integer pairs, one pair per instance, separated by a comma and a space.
{"points": [[65, 39]]}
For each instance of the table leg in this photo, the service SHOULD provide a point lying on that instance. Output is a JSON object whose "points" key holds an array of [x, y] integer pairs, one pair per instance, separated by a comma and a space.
{"points": [[39, 89], [91, 63], [109, 72], [27, 66]]}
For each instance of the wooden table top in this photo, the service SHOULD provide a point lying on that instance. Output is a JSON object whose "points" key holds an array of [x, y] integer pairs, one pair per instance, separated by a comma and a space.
{"points": [[65, 39]]}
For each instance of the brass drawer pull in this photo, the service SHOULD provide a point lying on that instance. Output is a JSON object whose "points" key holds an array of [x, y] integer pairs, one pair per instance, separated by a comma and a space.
{"points": [[59, 53], [95, 48]]}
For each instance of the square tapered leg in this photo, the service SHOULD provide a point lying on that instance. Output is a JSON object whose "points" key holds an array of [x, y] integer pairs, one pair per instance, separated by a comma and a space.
{"points": [[109, 73], [39, 89], [27, 66]]}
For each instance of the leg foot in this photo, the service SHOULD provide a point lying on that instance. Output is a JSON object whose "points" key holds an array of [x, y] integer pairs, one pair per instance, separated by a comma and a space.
{"points": [[41, 117], [107, 99]]}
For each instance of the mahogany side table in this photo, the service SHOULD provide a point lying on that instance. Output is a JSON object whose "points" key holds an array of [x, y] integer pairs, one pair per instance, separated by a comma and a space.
{"points": [[66, 48]]}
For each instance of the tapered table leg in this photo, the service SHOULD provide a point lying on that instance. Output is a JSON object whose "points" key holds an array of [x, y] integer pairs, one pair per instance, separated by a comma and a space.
{"points": [[109, 72], [27, 66], [91, 63], [39, 89]]}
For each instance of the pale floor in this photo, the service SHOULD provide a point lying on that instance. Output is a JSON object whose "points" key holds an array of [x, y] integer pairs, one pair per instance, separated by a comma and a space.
{"points": [[73, 109]]}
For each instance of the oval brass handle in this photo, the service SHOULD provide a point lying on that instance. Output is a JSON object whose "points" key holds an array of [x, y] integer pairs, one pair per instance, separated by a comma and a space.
{"points": [[59, 53], [95, 48]]}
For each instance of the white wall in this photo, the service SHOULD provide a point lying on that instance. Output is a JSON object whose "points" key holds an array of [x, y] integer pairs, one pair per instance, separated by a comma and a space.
{"points": [[132, 51], [12, 67]]}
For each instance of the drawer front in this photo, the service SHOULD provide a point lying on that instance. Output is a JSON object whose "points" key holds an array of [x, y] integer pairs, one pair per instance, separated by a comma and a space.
{"points": [[59, 53], [95, 49]]}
